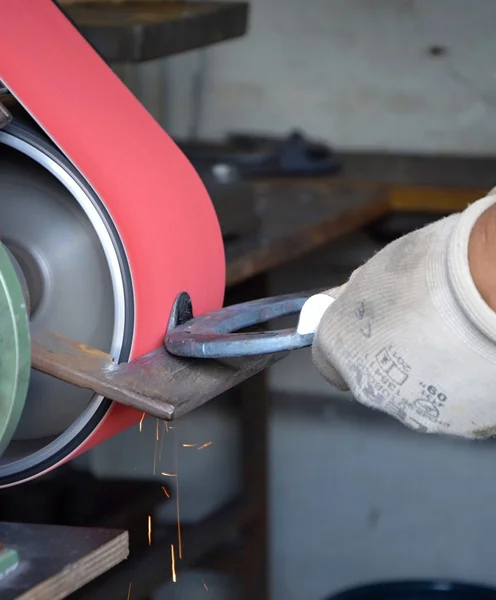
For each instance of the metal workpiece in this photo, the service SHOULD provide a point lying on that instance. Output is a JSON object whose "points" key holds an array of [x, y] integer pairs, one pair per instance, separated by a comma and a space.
{"points": [[212, 335], [165, 385], [162, 385]]}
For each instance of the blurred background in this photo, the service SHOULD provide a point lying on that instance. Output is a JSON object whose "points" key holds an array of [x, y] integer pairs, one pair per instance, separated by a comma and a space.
{"points": [[323, 130]]}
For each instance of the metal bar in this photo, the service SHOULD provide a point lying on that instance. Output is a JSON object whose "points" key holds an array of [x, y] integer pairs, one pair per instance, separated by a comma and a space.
{"points": [[158, 383]]}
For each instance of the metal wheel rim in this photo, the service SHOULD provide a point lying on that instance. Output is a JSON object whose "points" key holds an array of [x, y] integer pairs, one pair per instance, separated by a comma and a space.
{"points": [[42, 152]]}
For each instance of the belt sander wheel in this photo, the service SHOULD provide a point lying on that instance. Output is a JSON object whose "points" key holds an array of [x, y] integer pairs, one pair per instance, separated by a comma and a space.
{"points": [[79, 285], [57, 232], [106, 218]]}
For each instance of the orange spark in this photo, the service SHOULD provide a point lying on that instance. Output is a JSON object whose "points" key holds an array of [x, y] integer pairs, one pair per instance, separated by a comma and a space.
{"points": [[169, 474], [189, 445], [165, 491], [204, 445], [149, 530], [173, 560], [179, 537], [141, 422], [160, 449], [129, 590], [155, 448]]}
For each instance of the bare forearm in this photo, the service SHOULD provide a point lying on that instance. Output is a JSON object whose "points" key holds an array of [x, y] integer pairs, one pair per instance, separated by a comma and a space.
{"points": [[482, 256]]}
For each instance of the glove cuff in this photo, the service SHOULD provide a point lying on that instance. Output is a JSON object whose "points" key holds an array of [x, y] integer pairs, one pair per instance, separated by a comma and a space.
{"points": [[466, 293]]}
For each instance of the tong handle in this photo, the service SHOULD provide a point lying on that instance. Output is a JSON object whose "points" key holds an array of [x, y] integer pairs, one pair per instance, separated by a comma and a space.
{"points": [[212, 335]]}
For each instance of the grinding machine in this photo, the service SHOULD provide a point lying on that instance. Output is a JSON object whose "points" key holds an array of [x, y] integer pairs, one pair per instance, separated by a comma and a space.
{"points": [[103, 222], [108, 241]]}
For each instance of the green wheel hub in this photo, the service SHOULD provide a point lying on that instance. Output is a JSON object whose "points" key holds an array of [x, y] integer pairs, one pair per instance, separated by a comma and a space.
{"points": [[15, 349]]}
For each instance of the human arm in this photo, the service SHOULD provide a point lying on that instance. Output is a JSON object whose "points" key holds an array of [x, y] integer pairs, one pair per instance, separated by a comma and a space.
{"points": [[413, 332]]}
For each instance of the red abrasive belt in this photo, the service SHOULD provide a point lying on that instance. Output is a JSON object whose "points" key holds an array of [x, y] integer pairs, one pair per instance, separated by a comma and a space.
{"points": [[159, 205]]}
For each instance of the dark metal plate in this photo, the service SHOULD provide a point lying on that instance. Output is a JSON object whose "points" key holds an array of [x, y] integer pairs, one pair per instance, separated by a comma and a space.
{"points": [[158, 383]]}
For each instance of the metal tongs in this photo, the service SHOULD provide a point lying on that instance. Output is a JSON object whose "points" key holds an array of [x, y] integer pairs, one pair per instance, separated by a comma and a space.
{"points": [[213, 335], [168, 386]]}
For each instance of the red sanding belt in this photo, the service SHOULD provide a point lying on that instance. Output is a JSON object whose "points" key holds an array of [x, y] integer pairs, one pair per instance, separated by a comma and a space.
{"points": [[159, 205]]}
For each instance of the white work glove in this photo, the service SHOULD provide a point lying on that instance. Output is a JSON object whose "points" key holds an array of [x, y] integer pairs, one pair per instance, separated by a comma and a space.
{"points": [[410, 335]]}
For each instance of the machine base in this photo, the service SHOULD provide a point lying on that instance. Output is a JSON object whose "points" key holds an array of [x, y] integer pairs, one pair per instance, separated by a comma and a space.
{"points": [[56, 561]]}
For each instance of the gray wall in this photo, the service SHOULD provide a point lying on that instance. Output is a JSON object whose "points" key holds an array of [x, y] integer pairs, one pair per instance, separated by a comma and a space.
{"points": [[359, 73]]}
